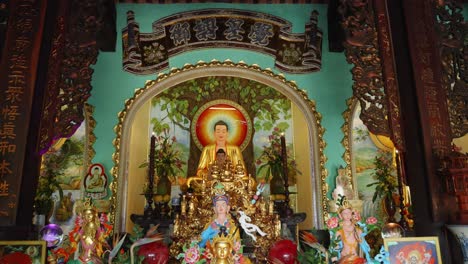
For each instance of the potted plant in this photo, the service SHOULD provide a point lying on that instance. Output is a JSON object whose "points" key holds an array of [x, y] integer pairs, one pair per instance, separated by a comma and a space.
{"points": [[270, 164], [167, 163], [47, 185], [386, 184]]}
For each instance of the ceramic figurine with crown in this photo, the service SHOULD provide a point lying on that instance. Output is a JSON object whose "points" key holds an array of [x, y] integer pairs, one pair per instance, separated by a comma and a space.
{"points": [[347, 234], [221, 219]]}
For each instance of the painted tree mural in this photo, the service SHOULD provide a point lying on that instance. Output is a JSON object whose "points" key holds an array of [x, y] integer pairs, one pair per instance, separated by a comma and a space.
{"points": [[263, 104]]}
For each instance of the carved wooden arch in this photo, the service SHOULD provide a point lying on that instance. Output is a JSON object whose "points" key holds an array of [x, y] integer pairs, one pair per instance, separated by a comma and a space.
{"points": [[368, 46], [82, 28], [289, 89]]}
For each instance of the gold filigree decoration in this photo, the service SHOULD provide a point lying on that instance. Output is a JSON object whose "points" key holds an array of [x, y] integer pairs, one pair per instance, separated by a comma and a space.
{"points": [[322, 145], [89, 134], [215, 65], [347, 139], [453, 32], [361, 50]]}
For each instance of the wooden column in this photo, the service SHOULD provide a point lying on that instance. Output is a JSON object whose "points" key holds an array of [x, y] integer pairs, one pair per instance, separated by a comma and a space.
{"points": [[431, 99], [425, 118]]}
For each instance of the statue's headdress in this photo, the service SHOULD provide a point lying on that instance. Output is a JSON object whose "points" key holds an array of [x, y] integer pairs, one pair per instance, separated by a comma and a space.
{"points": [[343, 204], [219, 194], [222, 238], [88, 205]]}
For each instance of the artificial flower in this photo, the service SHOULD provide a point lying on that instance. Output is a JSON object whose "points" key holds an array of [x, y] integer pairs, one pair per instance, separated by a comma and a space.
{"points": [[385, 175], [271, 158], [332, 222], [356, 216], [371, 220]]}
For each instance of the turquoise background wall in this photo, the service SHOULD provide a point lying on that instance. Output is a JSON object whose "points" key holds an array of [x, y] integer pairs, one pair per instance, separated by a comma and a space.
{"points": [[329, 88]]}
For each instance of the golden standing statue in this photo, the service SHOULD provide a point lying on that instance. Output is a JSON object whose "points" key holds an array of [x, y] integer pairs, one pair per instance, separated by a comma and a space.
{"points": [[89, 235]]}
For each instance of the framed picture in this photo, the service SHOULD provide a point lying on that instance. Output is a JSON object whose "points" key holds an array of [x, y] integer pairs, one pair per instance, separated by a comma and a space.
{"points": [[413, 250], [30, 251]]}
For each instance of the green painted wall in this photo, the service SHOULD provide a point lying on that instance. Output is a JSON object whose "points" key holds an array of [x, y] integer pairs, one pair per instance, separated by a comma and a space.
{"points": [[329, 88]]}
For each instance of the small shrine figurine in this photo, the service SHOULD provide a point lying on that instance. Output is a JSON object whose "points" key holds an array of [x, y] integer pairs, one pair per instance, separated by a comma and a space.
{"points": [[263, 206], [191, 206], [215, 172], [220, 158], [271, 207], [176, 225], [240, 172], [343, 185], [227, 174], [277, 225], [95, 182]]}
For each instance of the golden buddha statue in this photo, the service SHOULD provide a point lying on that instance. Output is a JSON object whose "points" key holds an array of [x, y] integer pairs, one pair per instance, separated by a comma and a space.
{"points": [[209, 152], [220, 162], [222, 247], [240, 170]]}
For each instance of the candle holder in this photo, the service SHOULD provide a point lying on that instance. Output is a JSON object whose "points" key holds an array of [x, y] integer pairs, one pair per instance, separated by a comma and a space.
{"points": [[287, 209], [149, 192], [148, 211], [403, 210]]}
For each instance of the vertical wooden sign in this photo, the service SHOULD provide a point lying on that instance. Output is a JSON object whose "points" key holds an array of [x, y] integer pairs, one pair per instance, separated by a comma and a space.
{"points": [[18, 68], [431, 95], [427, 69]]}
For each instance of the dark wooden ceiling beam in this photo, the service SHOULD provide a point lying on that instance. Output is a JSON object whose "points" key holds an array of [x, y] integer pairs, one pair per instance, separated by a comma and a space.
{"points": [[225, 1]]}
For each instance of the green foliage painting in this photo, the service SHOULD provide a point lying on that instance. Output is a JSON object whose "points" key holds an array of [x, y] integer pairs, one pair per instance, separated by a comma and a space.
{"points": [[364, 152], [60, 179], [178, 105]]}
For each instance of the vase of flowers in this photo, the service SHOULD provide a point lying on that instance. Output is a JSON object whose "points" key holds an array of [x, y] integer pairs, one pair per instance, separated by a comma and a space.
{"points": [[277, 179], [386, 183], [166, 160], [270, 164]]}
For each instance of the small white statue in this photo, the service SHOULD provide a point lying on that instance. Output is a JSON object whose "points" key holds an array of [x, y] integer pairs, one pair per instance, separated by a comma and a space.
{"points": [[249, 228], [343, 185]]}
